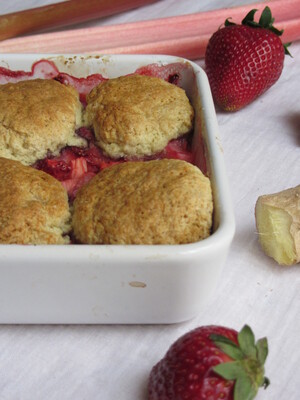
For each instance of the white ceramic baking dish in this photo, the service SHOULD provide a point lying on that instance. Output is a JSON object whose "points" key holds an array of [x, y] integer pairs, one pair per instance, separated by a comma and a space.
{"points": [[121, 283]]}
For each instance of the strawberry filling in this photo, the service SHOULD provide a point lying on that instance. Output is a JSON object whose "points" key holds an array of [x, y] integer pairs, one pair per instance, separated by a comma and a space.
{"points": [[170, 73], [75, 166]]}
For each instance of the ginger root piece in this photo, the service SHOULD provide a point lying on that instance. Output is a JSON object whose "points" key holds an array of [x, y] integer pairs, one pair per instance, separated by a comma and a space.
{"points": [[278, 225]]}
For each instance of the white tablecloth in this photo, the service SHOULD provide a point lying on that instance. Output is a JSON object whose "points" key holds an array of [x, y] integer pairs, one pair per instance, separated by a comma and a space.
{"points": [[262, 152]]}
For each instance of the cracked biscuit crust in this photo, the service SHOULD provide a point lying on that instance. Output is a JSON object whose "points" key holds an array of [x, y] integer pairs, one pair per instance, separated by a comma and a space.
{"points": [[154, 202], [33, 206], [37, 117], [137, 115]]}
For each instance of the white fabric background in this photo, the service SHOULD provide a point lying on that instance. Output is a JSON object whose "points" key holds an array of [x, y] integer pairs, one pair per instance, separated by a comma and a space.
{"points": [[262, 152]]}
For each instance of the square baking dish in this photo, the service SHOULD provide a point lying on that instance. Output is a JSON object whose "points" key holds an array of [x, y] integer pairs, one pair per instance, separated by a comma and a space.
{"points": [[132, 284]]}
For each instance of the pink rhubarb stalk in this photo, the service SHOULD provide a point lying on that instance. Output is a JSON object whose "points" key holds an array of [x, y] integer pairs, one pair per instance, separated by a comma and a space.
{"points": [[185, 35], [62, 14]]}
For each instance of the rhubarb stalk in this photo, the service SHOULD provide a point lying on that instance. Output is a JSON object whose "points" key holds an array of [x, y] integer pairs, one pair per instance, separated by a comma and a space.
{"points": [[62, 14], [184, 36]]}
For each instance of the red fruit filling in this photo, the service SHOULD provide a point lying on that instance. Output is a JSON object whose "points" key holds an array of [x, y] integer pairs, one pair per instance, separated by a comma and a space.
{"points": [[75, 166], [42, 69], [170, 73], [179, 149]]}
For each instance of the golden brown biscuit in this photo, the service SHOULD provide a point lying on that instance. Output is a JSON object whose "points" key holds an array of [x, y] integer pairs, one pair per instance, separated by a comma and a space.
{"points": [[33, 206], [36, 117], [137, 115], [154, 202]]}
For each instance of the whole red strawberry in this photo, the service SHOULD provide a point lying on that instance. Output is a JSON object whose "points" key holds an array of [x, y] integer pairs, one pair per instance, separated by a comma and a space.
{"points": [[211, 362], [243, 61]]}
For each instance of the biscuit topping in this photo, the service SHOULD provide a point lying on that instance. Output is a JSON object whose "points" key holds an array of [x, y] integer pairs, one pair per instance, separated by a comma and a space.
{"points": [[154, 202], [34, 206], [137, 115], [37, 117]]}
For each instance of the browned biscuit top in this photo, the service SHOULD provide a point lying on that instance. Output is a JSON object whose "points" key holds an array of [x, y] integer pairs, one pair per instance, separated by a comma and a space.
{"points": [[33, 206], [137, 115], [36, 117], [155, 202]]}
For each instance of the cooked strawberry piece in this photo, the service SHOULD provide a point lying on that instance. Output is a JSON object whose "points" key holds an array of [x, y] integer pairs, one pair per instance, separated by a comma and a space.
{"points": [[86, 133], [67, 155], [170, 73], [72, 173], [84, 151], [59, 169], [94, 155], [97, 157], [173, 78], [44, 69], [82, 85], [91, 154], [179, 149], [73, 185], [105, 163], [78, 167]]}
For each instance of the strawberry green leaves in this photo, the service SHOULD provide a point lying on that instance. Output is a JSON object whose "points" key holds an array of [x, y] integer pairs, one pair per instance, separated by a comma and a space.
{"points": [[265, 21], [227, 346], [249, 19], [246, 341], [266, 18], [262, 350], [247, 369]]}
